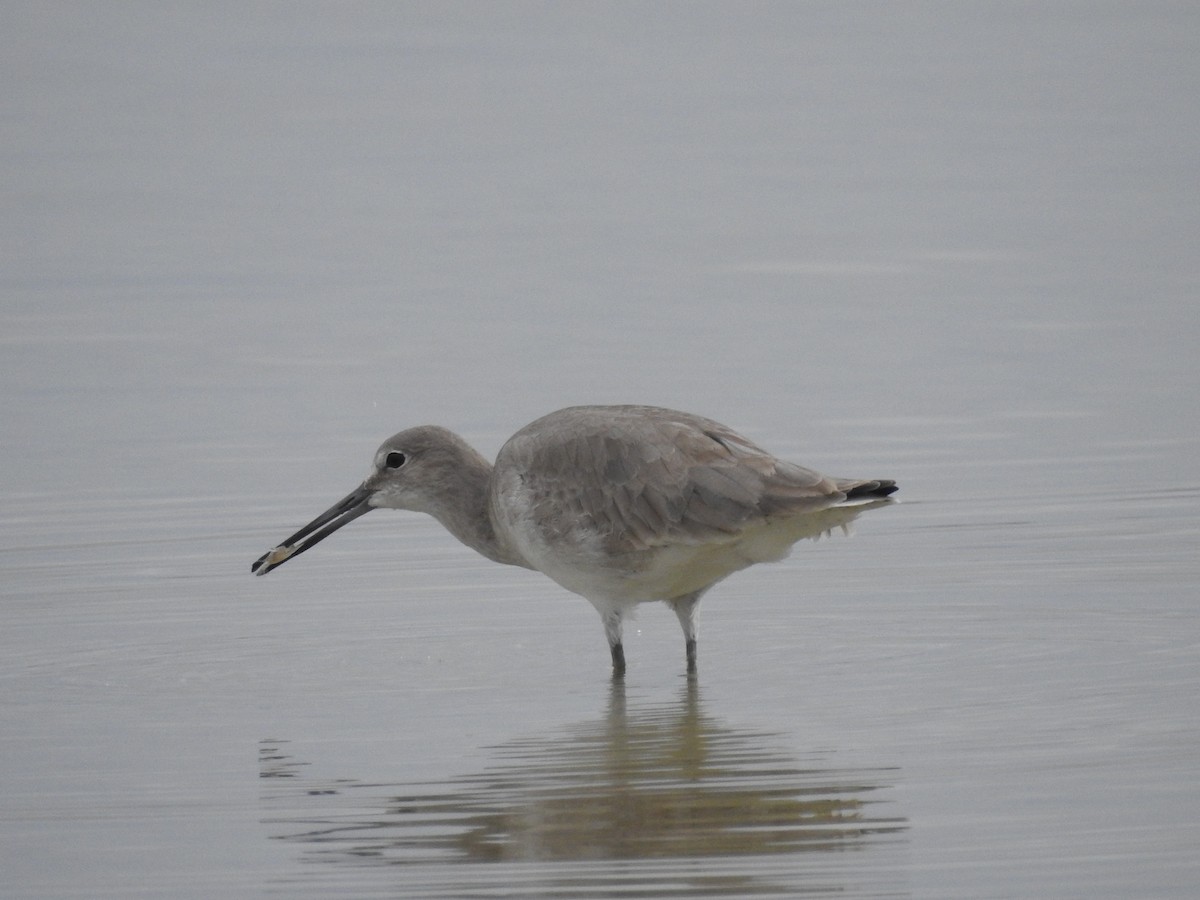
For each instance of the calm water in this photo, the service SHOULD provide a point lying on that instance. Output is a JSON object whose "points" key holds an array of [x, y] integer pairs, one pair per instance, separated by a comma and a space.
{"points": [[952, 244]]}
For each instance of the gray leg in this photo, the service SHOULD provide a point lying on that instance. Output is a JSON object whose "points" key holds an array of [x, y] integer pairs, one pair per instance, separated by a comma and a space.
{"points": [[612, 630], [685, 610], [618, 659]]}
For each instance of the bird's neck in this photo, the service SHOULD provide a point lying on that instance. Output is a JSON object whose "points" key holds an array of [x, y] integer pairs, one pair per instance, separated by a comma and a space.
{"points": [[467, 515]]}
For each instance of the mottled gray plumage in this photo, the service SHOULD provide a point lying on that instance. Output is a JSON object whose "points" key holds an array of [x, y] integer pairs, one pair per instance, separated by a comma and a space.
{"points": [[621, 504]]}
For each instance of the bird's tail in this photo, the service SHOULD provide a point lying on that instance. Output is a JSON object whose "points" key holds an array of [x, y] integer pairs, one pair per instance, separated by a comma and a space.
{"points": [[862, 489], [861, 495]]}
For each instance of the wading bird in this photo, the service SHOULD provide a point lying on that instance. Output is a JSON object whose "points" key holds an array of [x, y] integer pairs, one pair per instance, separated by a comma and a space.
{"points": [[620, 504]]}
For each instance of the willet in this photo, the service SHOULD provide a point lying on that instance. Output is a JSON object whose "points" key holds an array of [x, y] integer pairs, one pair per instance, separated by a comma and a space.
{"points": [[620, 504]]}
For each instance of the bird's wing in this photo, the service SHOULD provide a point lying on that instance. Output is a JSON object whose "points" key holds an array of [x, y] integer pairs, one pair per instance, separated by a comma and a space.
{"points": [[657, 477]]}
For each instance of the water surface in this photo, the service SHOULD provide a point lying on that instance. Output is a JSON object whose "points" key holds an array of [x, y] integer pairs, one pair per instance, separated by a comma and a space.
{"points": [[949, 244]]}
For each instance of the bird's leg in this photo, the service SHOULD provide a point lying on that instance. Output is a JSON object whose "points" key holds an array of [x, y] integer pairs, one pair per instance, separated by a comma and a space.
{"points": [[618, 659], [685, 610], [612, 630]]}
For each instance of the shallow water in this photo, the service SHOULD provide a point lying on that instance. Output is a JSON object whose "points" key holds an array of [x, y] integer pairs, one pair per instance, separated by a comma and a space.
{"points": [[950, 245], [607, 805]]}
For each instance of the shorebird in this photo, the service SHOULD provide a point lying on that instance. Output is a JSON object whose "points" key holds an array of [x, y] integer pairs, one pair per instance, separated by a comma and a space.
{"points": [[619, 504]]}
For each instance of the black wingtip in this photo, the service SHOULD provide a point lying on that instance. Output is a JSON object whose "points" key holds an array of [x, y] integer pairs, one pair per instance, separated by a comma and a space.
{"points": [[879, 488]]}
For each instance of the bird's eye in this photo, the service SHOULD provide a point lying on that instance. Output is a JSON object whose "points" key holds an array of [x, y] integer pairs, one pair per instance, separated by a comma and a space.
{"points": [[395, 459]]}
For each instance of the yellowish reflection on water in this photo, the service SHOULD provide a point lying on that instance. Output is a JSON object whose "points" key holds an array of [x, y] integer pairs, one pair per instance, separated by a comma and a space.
{"points": [[661, 782]]}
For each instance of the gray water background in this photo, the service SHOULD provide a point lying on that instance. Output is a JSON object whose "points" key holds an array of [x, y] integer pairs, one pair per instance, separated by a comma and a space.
{"points": [[953, 244]]}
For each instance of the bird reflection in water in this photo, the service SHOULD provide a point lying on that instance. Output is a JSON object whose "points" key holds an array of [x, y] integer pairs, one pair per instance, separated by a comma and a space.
{"points": [[651, 783]]}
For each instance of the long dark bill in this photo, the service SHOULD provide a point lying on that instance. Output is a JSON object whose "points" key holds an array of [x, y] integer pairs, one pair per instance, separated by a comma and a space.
{"points": [[345, 510]]}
